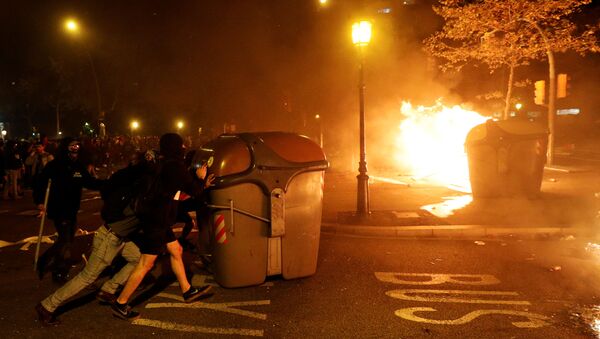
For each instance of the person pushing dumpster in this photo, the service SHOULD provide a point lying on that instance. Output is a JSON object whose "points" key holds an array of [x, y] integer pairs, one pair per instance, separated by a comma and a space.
{"points": [[156, 209]]}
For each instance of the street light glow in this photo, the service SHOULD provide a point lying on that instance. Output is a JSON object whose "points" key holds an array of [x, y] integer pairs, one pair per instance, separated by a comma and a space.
{"points": [[519, 106], [135, 125], [361, 33], [317, 116], [323, 2], [179, 124], [72, 26]]}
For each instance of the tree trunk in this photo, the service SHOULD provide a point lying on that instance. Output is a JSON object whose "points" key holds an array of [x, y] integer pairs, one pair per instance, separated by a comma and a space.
{"points": [[551, 106], [509, 88]]}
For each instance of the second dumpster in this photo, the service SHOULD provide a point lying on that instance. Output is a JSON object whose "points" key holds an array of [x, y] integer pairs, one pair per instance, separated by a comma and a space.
{"points": [[506, 158], [266, 206]]}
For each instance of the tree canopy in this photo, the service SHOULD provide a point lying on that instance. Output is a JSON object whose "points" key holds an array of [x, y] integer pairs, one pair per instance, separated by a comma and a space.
{"points": [[507, 33]]}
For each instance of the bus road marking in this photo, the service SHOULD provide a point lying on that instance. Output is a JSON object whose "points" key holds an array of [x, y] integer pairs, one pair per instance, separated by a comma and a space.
{"points": [[405, 295], [437, 279], [535, 320]]}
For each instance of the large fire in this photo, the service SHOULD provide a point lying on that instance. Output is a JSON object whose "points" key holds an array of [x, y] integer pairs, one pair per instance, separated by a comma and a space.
{"points": [[431, 143]]}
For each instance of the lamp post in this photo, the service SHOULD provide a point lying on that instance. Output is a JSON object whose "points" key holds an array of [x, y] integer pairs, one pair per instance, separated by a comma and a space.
{"points": [[72, 28], [361, 36], [320, 122]]}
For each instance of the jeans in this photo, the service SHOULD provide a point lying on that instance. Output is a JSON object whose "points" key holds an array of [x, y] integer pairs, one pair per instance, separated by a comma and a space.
{"points": [[12, 184], [105, 248]]}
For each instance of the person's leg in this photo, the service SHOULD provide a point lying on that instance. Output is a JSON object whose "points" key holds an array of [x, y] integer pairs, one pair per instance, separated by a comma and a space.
{"points": [[187, 228], [136, 277], [132, 254], [105, 247], [7, 185], [66, 234], [14, 177], [177, 266]]}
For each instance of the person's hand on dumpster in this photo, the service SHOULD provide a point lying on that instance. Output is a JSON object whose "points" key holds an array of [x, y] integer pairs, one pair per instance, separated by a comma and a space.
{"points": [[201, 171], [209, 180]]}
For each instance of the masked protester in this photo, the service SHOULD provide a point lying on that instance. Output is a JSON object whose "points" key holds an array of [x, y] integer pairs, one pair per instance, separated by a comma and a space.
{"points": [[68, 176], [165, 187]]}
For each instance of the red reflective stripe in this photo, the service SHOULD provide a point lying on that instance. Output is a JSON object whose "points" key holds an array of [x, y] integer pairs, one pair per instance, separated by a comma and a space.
{"points": [[219, 219], [221, 233]]}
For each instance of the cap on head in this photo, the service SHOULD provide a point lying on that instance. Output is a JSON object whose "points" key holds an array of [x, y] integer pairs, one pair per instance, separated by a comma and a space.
{"points": [[171, 145]]}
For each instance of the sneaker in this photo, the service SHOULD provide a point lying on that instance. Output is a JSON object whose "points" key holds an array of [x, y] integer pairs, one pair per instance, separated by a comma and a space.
{"points": [[196, 292], [124, 311], [46, 317], [105, 297]]}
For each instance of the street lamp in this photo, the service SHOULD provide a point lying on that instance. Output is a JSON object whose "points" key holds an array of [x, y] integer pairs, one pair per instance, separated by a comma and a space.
{"points": [[72, 28], [361, 36], [134, 125], [180, 125]]}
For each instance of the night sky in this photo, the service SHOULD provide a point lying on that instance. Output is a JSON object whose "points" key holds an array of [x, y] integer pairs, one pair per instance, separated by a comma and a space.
{"points": [[262, 65]]}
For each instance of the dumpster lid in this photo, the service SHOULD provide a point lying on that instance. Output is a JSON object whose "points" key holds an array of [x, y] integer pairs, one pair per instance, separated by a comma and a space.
{"points": [[506, 128], [240, 154]]}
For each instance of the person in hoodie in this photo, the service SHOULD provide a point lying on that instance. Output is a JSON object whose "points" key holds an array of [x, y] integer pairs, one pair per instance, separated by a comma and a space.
{"points": [[171, 179], [68, 176]]}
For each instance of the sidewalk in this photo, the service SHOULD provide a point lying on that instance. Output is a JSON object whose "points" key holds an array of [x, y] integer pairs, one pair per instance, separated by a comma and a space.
{"points": [[569, 204]]}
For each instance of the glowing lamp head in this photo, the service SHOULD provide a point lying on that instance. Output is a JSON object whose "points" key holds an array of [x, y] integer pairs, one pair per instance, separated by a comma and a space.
{"points": [[179, 124], [72, 26], [135, 124], [361, 33]]}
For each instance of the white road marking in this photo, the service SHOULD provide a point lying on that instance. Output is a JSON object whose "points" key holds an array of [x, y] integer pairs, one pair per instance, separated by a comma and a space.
{"points": [[223, 307], [29, 212], [198, 329], [535, 320], [403, 215], [404, 295], [437, 279], [33, 240], [201, 279]]}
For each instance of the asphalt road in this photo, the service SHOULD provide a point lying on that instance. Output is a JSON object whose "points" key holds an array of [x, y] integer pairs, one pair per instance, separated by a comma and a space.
{"points": [[363, 288]]}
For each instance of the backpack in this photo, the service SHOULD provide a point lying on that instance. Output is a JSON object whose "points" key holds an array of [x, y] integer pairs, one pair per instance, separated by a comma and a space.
{"points": [[148, 194], [119, 192]]}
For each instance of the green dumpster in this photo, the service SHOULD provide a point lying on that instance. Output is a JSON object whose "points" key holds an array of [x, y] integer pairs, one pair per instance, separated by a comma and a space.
{"points": [[506, 158], [266, 206]]}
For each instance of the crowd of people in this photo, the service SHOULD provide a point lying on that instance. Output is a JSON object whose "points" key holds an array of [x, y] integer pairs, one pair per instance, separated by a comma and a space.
{"points": [[141, 202]]}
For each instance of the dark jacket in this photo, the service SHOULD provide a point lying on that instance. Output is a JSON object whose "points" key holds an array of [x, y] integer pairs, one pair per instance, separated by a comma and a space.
{"points": [[68, 178], [173, 176]]}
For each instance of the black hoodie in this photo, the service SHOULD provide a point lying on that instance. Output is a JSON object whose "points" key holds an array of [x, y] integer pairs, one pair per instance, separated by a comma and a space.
{"points": [[173, 176], [68, 178]]}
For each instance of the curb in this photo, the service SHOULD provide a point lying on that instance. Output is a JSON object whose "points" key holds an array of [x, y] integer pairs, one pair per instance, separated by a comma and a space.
{"points": [[447, 231]]}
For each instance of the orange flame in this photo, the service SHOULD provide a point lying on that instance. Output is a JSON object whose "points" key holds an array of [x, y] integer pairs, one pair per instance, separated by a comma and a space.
{"points": [[431, 143]]}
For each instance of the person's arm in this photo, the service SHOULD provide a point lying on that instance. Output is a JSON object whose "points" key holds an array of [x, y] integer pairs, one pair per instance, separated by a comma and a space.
{"points": [[30, 159], [89, 181]]}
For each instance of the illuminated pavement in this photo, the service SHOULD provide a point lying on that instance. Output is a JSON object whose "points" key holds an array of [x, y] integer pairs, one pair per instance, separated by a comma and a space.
{"points": [[569, 204]]}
